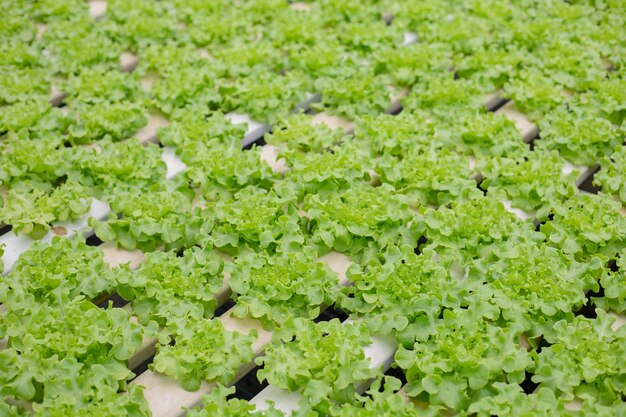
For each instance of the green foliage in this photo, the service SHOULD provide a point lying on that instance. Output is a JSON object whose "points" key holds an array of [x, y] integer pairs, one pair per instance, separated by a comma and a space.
{"points": [[296, 133], [461, 357], [23, 84], [218, 172], [171, 289], [255, 219], [584, 359], [534, 93], [358, 217], [394, 295], [147, 219], [455, 235], [204, 350], [39, 160], [10, 410], [606, 99], [32, 119], [82, 330], [104, 402], [277, 288], [614, 287], [587, 224], [437, 263], [442, 93], [77, 44], [533, 181], [111, 168], [429, 177], [97, 85], [536, 283], [57, 272], [509, 399], [115, 120], [611, 175], [192, 131], [582, 140], [336, 167], [359, 93], [323, 361], [31, 207], [379, 402]]}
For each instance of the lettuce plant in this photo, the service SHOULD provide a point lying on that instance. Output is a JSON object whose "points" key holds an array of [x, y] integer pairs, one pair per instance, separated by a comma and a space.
{"points": [[204, 350], [323, 361], [461, 359], [276, 288], [583, 359], [171, 289], [611, 177]]}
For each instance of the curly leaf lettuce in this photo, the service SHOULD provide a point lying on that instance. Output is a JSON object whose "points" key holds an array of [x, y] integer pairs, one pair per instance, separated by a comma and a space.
{"points": [[55, 273], [276, 288], [587, 225], [323, 361], [461, 358], [584, 358], [204, 350], [171, 289]]}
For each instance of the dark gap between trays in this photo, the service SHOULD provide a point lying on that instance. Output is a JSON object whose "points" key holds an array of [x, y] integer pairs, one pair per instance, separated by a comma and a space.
{"points": [[142, 367], [420, 243], [224, 308], [118, 302], [332, 312], [501, 102], [528, 386], [588, 309], [5, 229], [256, 137], [397, 373], [587, 185], [249, 386], [93, 240]]}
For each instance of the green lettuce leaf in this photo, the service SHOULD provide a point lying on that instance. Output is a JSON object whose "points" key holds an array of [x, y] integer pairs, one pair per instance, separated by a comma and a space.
{"points": [[171, 289], [393, 295], [461, 357], [146, 220], [117, 121], [57, 272], [322, 360], [204, 350], [611, 175], [584, 358], [533, 181], [455, 235], [614, 285], [586, 225], [580, 138], [275, 288], [358, 217], [382, 400]]}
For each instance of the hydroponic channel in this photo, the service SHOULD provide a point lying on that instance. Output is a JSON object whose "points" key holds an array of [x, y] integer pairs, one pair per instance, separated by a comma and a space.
{"points": [[268, 207]]}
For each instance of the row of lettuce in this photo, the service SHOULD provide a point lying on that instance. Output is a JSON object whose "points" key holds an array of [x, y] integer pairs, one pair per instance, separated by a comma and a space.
{"points": [[571, 85], [422, 159], [438, 262], [458, 305]]}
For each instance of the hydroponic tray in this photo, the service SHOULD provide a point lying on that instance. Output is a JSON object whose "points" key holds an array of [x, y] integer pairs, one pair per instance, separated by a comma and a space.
{"points": [[320, 208]]}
